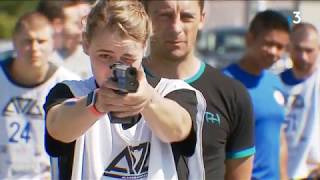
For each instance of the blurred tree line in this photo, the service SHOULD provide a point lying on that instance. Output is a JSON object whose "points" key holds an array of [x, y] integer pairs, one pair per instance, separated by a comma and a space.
{"points": [[10, 11]]}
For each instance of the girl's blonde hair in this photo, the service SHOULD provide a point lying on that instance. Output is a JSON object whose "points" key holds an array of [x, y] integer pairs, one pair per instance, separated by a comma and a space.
{"points": [[125, 16]]}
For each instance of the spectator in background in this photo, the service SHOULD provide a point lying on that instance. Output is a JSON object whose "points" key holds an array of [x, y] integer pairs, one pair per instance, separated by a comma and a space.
{"points": [[60, 11], [25, 81], [302, 95], [53, 10], [266, 41], [225, 137], [67, 17]]}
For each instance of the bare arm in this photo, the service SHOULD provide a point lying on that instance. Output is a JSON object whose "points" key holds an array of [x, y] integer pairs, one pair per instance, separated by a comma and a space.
{"points": [[283, 156], [239, 169], [167, 119], [67, 121]]}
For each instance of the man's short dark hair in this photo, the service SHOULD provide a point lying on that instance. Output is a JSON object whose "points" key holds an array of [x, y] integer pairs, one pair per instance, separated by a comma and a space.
{"points": [[201, 4], [51, 9], [267, 21]]}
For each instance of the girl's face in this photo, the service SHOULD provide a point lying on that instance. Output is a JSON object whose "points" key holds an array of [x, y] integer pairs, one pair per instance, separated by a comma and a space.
{"points": [[108, 47]]}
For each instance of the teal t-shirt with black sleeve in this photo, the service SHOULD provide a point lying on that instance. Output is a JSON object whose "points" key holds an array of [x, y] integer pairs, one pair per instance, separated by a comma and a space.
{"points": [[265, 91]]}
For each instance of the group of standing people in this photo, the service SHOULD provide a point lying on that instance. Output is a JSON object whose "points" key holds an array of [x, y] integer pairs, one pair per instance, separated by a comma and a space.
{"points": [[191, 121]]}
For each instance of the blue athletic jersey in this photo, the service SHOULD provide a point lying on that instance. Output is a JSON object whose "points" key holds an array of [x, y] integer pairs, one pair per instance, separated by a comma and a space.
{"points": [[265, 91]]}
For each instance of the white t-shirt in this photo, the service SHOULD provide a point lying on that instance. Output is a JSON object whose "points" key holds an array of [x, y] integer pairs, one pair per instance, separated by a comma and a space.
{"points": [[78, 62]]}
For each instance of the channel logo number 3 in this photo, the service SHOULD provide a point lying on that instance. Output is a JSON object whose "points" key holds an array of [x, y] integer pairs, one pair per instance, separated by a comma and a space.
{"points": [[296, 17]]}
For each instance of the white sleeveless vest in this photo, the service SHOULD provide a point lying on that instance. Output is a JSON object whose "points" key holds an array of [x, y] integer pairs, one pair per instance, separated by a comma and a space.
{"points": [[22, 153], [106, 151], [303, 126]]}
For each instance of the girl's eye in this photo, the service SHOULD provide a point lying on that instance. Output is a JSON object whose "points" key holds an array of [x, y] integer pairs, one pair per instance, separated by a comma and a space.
{"points": [[127, 61], [105, 57]]}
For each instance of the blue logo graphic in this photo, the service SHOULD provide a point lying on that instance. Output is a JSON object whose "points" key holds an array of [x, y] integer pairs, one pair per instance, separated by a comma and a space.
{"points": [[289, 18], [212, 118]]}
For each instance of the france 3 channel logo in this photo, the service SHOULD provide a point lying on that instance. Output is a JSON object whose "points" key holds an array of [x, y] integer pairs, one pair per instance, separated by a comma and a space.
{"points": [[295, 18]]}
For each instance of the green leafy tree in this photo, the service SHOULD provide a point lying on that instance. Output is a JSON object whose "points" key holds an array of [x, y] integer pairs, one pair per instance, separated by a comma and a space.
{"points": [[10, 11]]}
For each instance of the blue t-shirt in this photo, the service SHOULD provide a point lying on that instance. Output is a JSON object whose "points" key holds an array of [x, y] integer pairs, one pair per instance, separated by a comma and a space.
{"points": [[265, 91]]}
